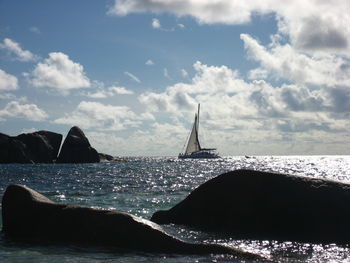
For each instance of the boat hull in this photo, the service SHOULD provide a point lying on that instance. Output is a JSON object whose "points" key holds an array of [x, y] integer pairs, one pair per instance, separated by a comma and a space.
{"points": [[199, 155]]}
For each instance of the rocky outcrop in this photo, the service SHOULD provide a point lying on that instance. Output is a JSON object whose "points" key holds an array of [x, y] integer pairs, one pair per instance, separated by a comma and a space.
{"points": [[76, 148], [109, 158], [43, 146], [37, 147], [30, 216], [262, 205], [12, 150]]}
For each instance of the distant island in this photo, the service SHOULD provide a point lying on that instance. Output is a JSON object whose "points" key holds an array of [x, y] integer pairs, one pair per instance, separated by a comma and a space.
{"points": [[44, 147]]}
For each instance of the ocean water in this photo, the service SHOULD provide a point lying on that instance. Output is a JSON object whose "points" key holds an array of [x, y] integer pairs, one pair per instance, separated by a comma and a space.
{"points": [[142, 186]]}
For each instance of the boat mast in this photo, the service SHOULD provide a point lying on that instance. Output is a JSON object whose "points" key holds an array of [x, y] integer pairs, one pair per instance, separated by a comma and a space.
{"points": [[197, 124], [197, 127]]}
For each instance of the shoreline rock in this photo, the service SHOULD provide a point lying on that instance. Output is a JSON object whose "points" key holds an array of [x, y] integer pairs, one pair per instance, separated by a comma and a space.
{"points": [[76, 148], [246, 204], [109, 158], [44, 146], [36, 147], [29, 216]]}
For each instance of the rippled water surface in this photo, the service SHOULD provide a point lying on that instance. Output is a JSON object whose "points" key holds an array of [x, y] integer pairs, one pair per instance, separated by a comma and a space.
{"points": [[143, 185]]}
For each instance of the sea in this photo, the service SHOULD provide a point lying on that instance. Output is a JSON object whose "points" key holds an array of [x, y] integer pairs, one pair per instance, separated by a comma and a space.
{"points": [[143, 185]]}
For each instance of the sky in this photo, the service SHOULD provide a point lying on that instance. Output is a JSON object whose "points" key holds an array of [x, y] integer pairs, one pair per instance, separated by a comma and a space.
{"points": [[272, 77]]}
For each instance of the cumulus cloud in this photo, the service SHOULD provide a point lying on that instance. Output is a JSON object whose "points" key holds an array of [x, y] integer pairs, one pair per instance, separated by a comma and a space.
{"points": [[296, 19], [7, 81], [258, 73], [103, 117], [14, 48], [132, 76], [205, 11], [284, 62], [318, 33], [255, 105], [31, 112], [208, 81], [60, 73]]}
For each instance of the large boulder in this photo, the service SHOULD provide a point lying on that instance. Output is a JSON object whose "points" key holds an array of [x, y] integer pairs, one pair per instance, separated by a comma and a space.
{"points": [[76, 148], [43, 146], [13, 151], [269, 206], [30, 216], [36, 147]]}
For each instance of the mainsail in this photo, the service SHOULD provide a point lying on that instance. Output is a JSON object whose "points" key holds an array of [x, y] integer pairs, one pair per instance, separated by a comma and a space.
{"points": [[193, 148], [193, 142]]}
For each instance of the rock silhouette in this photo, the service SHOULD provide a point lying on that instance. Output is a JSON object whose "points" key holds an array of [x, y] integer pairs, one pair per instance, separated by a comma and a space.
{"points": [[36, 147], [270, 206], [76, 148], [30, 216]]}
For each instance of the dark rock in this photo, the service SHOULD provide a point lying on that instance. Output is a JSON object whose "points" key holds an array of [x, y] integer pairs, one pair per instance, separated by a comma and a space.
{"points": [[43, 146], [77, 149], [29, 216], [262, 205], [13, 150], [36, 147]]}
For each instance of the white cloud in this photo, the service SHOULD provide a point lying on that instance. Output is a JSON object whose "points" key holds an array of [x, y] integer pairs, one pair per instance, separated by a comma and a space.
{"points": [[149, 62], [98, 116], [258, 73], [209, 81], [109, 92], [284, 62], [205, 11], [316, 32], [255, 105], [182, 26], [132, 76], [31, 112], [15, 48], [121, 90], [156, 23], [318, 25], [60, 73], [311, 25], [98, 94], [7, 81]]}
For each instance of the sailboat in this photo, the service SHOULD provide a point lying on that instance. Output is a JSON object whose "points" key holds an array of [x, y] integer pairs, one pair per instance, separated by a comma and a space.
{"points": [[193, 147]]}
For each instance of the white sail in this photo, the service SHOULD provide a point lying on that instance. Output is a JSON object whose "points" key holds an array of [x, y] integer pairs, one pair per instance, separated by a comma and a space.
{"points": [[193, 143], [193, 148]]}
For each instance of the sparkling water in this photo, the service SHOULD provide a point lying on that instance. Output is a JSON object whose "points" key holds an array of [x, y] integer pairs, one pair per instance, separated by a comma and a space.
{"points": [[142, 186]]}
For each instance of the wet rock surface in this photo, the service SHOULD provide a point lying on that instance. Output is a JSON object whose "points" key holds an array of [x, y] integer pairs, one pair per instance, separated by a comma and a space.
{"points": [[247, 204]]}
